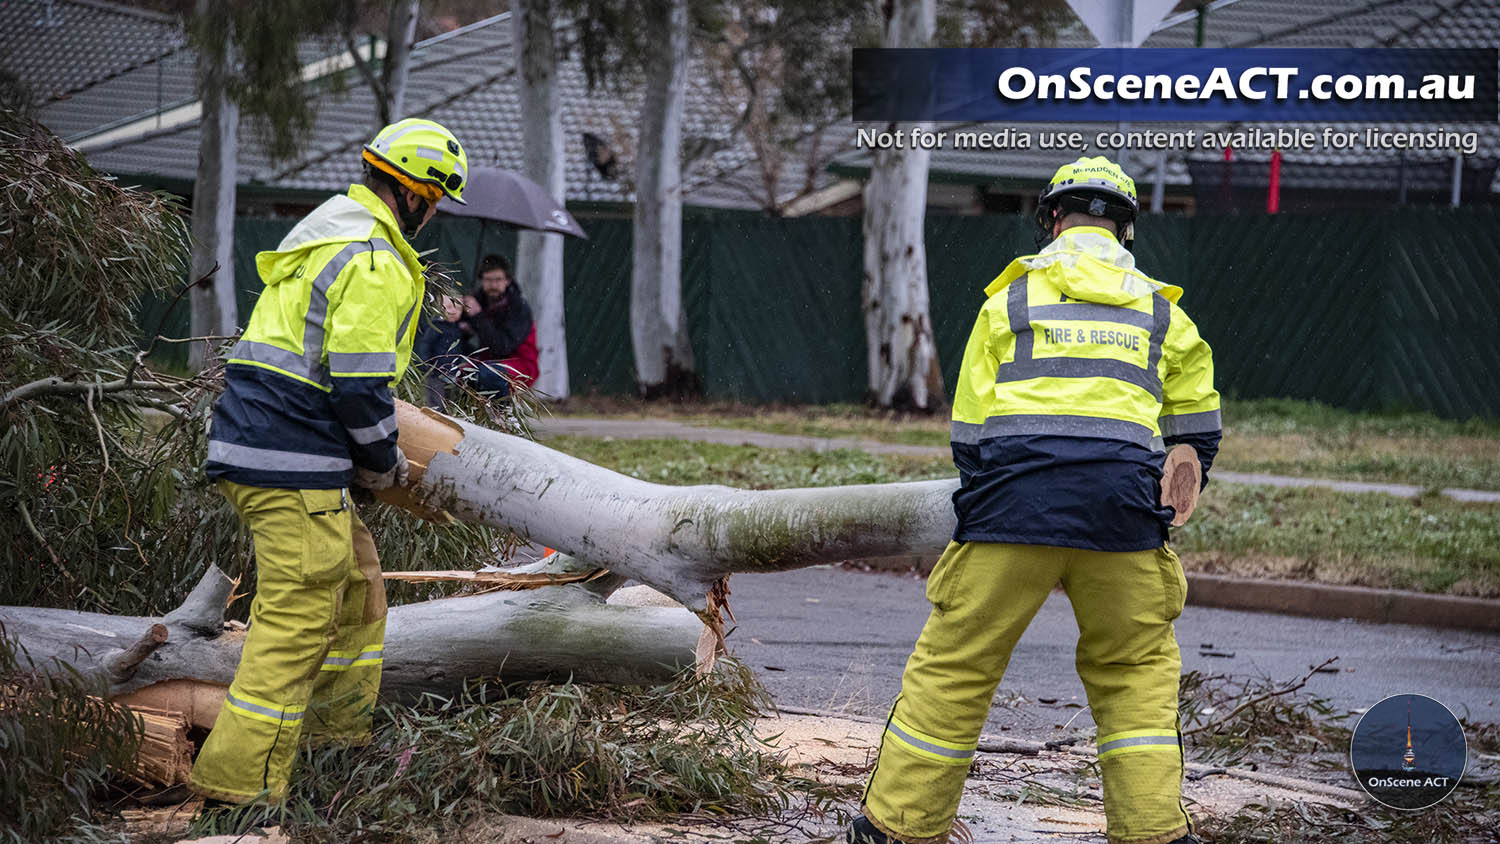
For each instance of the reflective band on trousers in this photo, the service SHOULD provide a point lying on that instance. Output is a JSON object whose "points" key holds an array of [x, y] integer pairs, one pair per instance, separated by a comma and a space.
{"points": [[262, 710], [247, 457], [1026, 366], [948, 753], [1138, 740], [1061, 425], [343, 660]]}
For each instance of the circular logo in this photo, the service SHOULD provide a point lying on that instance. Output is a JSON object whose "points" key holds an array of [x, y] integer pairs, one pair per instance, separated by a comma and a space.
{"points": [[1408, 752]]}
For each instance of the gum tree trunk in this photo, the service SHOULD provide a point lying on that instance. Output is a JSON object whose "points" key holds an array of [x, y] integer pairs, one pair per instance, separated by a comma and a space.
{"points": [[902, 362], [539, 256], [658, 328], [682, 541], [401, 33], [213, 310]]}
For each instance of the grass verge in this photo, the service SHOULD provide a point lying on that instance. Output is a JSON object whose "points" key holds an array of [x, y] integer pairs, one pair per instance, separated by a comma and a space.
{"points": [[1276, 436], [1428, 543]]}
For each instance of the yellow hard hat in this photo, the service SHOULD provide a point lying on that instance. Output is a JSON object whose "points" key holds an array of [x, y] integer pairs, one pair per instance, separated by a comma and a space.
{"points": [[1097, 175], [1094, 186], [423, 155]]}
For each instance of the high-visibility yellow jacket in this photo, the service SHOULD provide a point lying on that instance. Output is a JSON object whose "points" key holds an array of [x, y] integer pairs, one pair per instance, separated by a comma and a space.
{"points": [[1079, 370], [307, 388]]}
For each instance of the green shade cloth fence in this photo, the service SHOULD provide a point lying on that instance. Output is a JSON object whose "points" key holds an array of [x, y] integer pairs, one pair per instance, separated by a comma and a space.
{"points": [[1368, 309]]}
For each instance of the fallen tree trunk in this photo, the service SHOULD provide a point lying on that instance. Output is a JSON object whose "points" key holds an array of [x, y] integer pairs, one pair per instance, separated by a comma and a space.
{"points": [[551, 633], [680, 540]]}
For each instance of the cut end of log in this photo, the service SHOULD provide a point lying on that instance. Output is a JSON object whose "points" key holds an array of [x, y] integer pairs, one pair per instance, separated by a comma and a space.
{"points": [[424, 433], [1181, 479]]}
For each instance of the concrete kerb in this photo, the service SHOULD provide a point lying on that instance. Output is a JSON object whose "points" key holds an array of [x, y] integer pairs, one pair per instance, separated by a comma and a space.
{"points": [[1290, 597]]}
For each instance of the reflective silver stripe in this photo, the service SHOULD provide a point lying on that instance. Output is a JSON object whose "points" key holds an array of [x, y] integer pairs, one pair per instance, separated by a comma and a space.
{"points": [[430, 154], [283, 359], [1020, 320], [263, 710], [927, 745], [369, 656], [401, 332], [1138, 740], [338, 660], [317, 305], [970, 433], [374, 433], [362, 363], [1090, 312], [1161, 319], [1079, 368], [1025, 366], [1190, 423], [247, 457]]}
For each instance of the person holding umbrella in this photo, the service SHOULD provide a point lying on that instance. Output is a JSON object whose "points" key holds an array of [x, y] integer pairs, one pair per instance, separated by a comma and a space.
{"points": [[499, 334]]}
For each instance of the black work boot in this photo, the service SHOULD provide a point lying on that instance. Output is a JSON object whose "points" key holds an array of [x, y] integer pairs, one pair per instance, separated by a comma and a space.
{"points": [[864, 832], [1187, 839]]}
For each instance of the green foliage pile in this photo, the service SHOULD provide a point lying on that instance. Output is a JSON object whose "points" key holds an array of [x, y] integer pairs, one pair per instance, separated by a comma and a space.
{"points": [[79, 480], [626, 754], [105, 503], [58, 741]]}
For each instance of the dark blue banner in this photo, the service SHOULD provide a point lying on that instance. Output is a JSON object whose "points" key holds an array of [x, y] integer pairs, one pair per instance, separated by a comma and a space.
{"points": [[1215, 85]]}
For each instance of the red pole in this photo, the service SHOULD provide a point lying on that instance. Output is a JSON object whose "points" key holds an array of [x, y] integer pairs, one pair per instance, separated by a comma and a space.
{"points": [[1273, 195]]}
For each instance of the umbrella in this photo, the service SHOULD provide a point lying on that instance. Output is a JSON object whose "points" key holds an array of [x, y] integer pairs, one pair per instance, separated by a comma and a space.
{"points": [[508, 197]]}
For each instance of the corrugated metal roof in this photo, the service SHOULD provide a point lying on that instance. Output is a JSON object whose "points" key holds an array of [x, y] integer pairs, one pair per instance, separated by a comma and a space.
{"points": [[465, 80], [59, 47]]}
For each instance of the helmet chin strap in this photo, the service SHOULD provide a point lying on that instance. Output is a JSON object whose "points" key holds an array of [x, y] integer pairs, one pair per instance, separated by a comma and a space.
{"points": [[411, 218]]}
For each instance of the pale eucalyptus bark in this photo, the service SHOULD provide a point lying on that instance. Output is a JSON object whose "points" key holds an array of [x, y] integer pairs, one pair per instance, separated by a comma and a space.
{"points": [[401, 33], [212, 309], [658, 327], [539, 255], [433, 647], [680, 540], [902, 357]]}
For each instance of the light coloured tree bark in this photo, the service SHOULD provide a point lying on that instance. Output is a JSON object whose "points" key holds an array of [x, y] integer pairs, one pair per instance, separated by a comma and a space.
{"points": [[184, 661], [680, 540], [401, 33], [539, 256], [213, 310], [658, 326], [902, 358]]}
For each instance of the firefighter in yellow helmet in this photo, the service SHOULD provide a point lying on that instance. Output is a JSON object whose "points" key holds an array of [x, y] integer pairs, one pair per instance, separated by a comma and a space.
{"points": [[1079, 370], [306, 411]]}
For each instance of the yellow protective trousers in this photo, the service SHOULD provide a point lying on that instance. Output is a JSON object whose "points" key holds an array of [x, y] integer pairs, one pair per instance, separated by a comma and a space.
{"points": [[983, 596], [310, 668]]}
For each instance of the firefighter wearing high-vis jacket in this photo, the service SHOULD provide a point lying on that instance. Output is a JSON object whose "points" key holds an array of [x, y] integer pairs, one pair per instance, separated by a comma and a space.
{"points": [[306, 411], [1078, 374]]}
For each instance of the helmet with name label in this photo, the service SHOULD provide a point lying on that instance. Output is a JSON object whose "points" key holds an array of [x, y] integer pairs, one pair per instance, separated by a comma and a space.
{"points": [[1094, 186]]}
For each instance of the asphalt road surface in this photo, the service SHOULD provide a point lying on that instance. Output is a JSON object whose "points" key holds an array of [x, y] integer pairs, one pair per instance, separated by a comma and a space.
{"points": [[833, 639]]}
